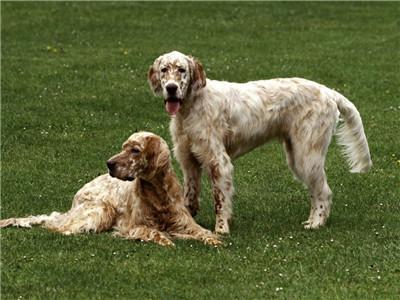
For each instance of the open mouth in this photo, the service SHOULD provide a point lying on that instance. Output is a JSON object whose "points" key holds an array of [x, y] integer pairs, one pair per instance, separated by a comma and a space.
{"points": [[172, 105]]}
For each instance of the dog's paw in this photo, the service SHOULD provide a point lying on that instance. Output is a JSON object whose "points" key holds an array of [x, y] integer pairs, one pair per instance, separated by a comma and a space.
{"points": [[212, 241], [165, 242], [314, 223], [318, 217]]}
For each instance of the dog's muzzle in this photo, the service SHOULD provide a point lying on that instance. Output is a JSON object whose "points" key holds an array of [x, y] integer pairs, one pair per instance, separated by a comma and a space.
{"points": [[112, 170], [171, 89]]}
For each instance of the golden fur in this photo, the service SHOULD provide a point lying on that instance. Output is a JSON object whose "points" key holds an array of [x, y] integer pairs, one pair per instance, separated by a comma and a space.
{"points": [[140, 198]]}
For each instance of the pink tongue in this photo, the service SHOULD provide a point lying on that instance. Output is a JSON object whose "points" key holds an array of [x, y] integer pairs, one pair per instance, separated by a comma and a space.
{"points": [[172, 107]]}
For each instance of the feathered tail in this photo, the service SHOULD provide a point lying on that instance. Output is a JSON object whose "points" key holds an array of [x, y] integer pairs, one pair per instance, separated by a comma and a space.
{"points": [[352, 137]]}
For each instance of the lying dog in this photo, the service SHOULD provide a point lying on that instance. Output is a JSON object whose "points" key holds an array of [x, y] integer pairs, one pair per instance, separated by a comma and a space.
{"points": [[140, 198], [216, 121]]}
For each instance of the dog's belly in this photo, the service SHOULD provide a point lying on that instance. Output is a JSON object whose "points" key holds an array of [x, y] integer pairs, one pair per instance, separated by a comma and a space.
{"points": [[240, 144], [250, 128]]}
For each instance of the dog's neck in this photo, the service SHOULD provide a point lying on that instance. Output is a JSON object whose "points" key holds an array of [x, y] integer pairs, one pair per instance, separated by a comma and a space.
{"points": [[160, 191], [188, 103]]}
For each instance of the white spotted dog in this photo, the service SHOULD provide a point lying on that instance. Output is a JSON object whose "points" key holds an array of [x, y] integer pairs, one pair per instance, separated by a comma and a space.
{"points": [[214, 121], [140, 198]]}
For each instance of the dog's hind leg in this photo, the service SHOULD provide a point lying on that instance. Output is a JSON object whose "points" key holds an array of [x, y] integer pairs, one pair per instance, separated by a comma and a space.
{"points": [[308, 152], [310, 170], [83, 218], [288, 147], [321, 199]]}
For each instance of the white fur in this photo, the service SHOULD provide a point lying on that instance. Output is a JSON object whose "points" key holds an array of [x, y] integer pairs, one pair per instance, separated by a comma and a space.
{"points": [[219, 121]]}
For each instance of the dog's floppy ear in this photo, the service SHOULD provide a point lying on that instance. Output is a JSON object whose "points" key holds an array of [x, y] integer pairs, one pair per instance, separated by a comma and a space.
{"points": [[163, 158], [158, 154], [154, 78], [198, 74]]}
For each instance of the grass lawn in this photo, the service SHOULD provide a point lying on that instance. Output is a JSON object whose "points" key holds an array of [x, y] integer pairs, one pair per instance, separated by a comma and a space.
{"points": [[73, 87]]}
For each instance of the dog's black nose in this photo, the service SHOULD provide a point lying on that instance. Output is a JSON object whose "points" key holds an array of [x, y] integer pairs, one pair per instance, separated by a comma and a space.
{"points": [[171, 88], [111, 165]]}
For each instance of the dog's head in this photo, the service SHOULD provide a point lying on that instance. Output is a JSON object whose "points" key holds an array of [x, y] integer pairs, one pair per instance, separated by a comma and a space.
{"points": [[174, 76], [143, 155]]}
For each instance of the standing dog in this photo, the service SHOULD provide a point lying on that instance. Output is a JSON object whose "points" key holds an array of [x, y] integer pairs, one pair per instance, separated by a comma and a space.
{"points": [[216, 121], [140, 198]]}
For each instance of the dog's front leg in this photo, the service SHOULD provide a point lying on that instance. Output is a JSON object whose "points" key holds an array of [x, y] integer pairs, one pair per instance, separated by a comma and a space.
{"points": [[220, 170], [146, 234], [185, 227], [206, 236], [192, 178]]}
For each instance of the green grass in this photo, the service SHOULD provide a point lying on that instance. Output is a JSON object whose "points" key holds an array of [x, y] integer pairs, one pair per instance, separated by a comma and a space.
{"points": [[73, 84]]}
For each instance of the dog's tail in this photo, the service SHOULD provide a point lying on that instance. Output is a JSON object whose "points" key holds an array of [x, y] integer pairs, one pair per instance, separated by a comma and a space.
{"points": [[28, 222], [352, 137], [78, 219]]}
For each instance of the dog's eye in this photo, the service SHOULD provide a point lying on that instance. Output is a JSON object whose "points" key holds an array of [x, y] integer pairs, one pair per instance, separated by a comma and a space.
{"points": [[135, 151], [181, 70], [163, 70]]}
